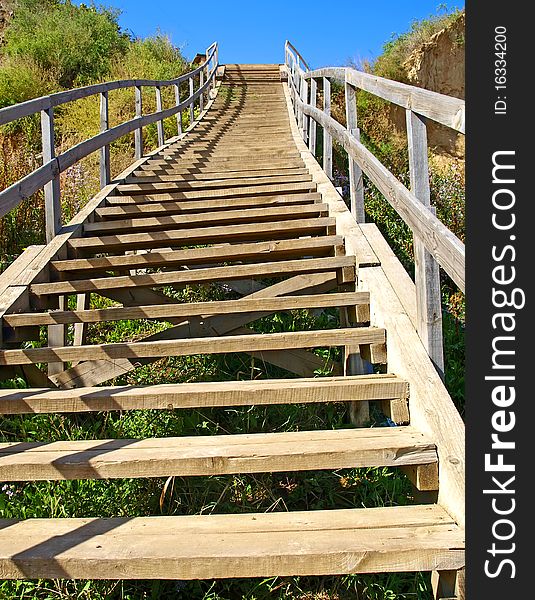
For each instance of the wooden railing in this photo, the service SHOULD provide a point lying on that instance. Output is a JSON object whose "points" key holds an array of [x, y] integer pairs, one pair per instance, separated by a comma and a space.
{"points": [[434, 244], [47, 176]]}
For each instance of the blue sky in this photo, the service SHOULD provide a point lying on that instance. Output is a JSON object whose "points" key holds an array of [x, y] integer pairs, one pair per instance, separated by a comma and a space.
{"points": [[255, 31]]}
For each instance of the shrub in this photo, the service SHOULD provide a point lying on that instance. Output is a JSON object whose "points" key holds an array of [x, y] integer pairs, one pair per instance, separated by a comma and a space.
{"points": [[77, 44]]}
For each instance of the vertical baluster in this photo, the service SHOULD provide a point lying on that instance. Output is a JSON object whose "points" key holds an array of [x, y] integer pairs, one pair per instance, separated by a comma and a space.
{"points": [[52, 188], [192, 104], [179, 114], [304, 118], [327, 139], [427, 273], [355, 173], [105, 169], [312, 137], [201, 83], [159, 124], [138, 133]]}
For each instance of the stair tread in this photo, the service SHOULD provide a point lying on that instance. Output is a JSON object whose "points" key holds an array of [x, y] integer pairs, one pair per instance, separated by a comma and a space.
{"points": [[216, 393], [216, 454], [367, 540]]}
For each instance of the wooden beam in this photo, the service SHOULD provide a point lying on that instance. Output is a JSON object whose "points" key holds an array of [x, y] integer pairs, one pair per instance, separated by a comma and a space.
{"points": [[253, 252], [426, 268], [244, 545], [159, 311], [274, 269], [189, 347], [215, 454], [203, 395], [203, 235]]}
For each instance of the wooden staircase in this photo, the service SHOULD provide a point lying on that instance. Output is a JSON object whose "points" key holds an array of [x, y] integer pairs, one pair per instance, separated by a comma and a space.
{"points": [[236, 201]]}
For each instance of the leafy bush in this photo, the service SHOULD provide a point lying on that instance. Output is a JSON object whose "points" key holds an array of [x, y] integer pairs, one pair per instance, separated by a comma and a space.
{"points": [[76, 44], [22, 79]]}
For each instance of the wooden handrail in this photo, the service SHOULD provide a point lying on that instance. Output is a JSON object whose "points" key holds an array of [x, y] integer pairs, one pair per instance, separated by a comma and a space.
{"points": [[435, 244], [30, 107], [47, 175]]}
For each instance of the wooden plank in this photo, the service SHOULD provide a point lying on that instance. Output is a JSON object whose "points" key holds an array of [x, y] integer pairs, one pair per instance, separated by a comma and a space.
{"points": [[253, 215], [172, 186], [356, 184], [273, 269], [286, 188], [52, 190], [204, 395], [253, 252], [183, 175], [414, 538], [189, 347], [105, 165], [426, 268], [327, 140], [138, 133], [190, 237], [199, 206], [158, 311], [215, 455], [10, 275]]}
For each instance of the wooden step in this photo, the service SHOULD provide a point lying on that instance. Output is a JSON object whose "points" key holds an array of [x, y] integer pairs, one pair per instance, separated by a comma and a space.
{"points": [[283, 268], [171, 186], [267, 190], [203, 395], [215, 454], [155, 177], [326, 542], [192, 309], [198, 206], [205, 235], [254, 252], [221, 217], [189, 347]]}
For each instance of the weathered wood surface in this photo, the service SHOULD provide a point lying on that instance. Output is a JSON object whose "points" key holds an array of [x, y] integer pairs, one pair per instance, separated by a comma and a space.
{"points": [[220, 204], [191, 346], [193, 309], [203, 395], [443, 109], [322, 542], [215, 454]]}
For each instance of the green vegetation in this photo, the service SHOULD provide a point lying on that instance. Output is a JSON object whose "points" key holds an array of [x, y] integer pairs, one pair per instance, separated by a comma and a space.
{"points": [[51, 45], [400, 46], [88, 46]]}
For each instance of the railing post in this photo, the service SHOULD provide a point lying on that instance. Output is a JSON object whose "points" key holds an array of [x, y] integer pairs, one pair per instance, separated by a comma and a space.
{"points": [[304, 118], [177, 102], [312, 122], [52, 189], [327, 139], [138, 133], [159, 108], [192, 103], [355, 173], [427, 272], [201, 97], [105, 169]]}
